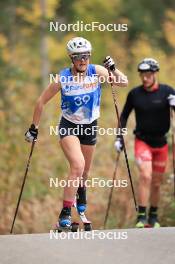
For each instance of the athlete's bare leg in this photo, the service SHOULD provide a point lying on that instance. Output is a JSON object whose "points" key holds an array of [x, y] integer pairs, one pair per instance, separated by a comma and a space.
{"points": [[157, 180], [88, 151], [155, 188], [72, 150], [145, 170]]}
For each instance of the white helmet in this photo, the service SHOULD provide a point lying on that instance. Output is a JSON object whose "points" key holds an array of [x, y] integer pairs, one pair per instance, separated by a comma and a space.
{"points": [[148, 64], [78, 45]]}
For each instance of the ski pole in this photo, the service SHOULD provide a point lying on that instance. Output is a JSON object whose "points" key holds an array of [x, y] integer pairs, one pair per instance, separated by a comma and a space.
{"points": [[173, 143], [111, 190], [124, 147], [22, 187]]}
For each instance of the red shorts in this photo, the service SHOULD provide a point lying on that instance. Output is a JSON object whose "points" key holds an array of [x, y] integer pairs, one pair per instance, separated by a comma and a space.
{"points": [[158, 156]]}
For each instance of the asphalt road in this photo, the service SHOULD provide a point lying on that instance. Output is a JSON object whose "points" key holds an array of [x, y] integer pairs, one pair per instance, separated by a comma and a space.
{"points": [[130, 246]]}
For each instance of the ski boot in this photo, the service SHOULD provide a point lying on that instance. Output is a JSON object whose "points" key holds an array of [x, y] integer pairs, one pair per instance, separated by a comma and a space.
{"points": [[153, 220], [64, 221], [141, 220], [81, 200], [81, 208]]}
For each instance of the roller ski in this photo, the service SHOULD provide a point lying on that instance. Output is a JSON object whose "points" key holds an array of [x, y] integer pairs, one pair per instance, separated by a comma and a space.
{"points": [[87, 225], [65, 222]]}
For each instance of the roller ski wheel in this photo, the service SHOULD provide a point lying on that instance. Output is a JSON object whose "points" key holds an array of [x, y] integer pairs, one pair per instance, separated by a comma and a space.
{"points": [[86, 223], [60, 229], [147, 226], [74, 227], [156, 225], [87, 226]]}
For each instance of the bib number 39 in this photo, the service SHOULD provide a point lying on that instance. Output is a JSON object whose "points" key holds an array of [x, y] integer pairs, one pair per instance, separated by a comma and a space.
{"points": [[81, 100]]}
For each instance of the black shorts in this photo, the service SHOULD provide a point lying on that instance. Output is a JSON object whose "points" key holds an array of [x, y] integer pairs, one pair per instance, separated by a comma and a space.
{"points": [[86, 133]]}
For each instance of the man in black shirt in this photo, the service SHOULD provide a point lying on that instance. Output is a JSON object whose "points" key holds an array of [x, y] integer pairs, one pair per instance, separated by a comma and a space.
{"points": [[151, 102]]}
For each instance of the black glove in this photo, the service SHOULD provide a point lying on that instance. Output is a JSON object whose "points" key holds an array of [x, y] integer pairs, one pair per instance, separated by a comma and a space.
{"points": [[31, 134], [109, 63]]}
